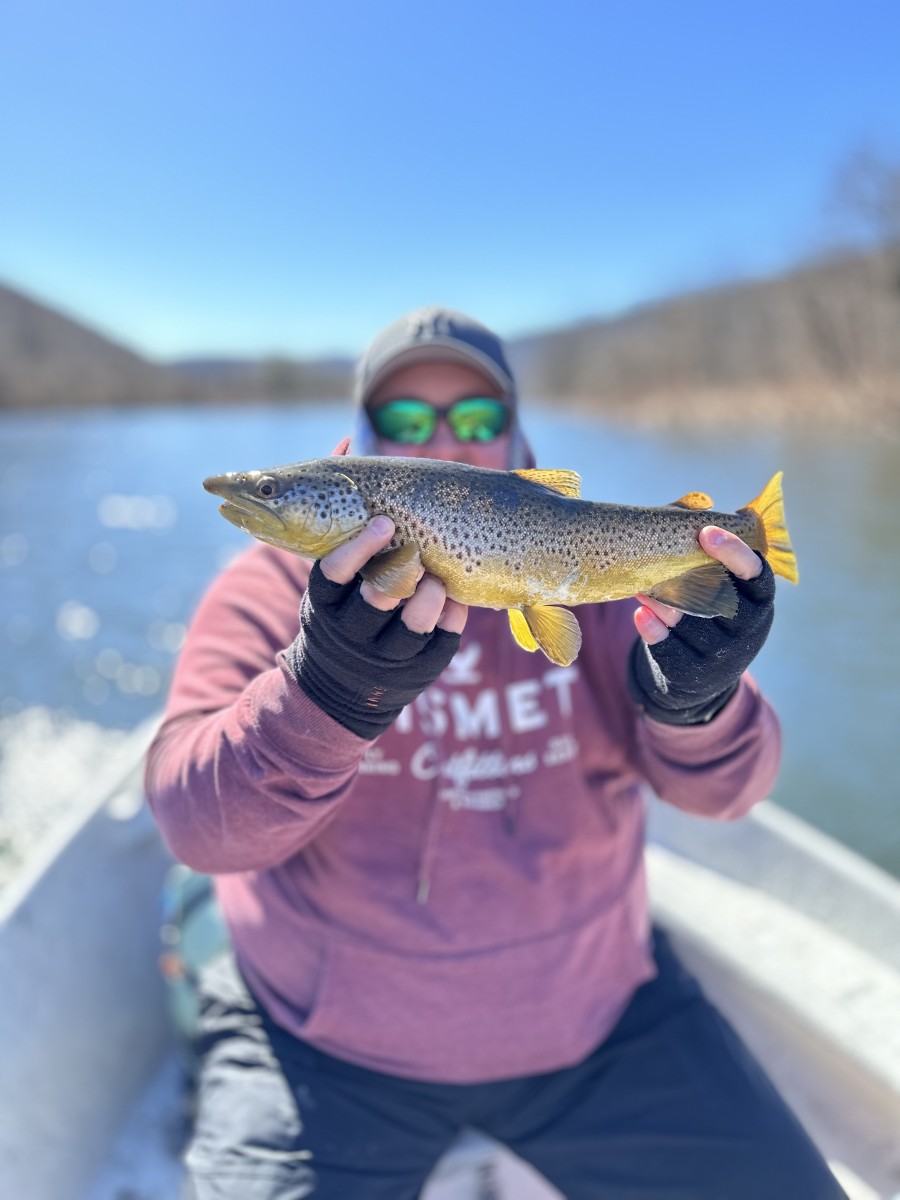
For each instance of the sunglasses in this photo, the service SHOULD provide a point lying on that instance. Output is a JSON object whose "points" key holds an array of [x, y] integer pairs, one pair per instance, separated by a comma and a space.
{"points": [[413, 422]]}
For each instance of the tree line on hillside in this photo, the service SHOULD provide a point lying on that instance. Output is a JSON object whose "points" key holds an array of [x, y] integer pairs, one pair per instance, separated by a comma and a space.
{"points": [[822, 339], [819, 342]]}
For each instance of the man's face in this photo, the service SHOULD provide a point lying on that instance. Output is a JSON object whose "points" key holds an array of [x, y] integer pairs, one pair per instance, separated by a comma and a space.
{"points": [[441, 384]]}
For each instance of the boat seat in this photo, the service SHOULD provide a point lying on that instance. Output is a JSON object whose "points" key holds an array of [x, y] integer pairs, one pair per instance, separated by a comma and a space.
{"points": [[476, 1167]]}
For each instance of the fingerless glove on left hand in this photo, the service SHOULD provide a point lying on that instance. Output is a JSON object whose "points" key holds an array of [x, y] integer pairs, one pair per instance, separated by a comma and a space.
{"points": [[689, 676]]}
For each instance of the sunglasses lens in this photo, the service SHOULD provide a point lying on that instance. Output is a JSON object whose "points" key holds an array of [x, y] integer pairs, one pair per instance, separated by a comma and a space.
{"points": [[409, 421], [478, 420], [413, 422]]}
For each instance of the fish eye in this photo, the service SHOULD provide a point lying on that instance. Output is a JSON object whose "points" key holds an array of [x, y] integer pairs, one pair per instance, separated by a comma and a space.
{"points": [[267, 487]]}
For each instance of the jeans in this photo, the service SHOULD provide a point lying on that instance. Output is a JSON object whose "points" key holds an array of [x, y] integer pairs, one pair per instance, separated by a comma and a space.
{"points": [[671, 1106]]}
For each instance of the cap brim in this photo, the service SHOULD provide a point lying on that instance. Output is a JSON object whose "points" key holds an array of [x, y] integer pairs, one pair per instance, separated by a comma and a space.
{"points": [[438, 350]]}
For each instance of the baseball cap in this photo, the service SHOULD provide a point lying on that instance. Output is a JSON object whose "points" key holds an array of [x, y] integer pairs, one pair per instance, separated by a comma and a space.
{"points": [[432, 334]]}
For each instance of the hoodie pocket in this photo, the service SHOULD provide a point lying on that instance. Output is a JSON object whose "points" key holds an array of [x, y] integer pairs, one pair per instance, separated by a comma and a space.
{"points": [[520, 1009]]}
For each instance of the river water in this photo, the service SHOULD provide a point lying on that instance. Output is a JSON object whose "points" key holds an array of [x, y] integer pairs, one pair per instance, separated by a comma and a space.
{"points": [[107, 541]]}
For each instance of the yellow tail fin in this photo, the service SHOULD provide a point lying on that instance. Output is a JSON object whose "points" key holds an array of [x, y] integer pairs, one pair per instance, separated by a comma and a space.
{"points": [[769, 507]]}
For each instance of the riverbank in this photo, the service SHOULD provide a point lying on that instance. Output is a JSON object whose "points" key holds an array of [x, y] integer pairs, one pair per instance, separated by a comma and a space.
{"points": [[820, 405]]}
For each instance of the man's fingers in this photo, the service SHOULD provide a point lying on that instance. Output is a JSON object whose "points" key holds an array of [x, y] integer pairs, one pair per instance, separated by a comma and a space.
{"points": [[731, 552], [453, 618], [649, 626], [426, 609], [654, 620], [423, 609], [668, 615], [342, 564], [376, 598]]}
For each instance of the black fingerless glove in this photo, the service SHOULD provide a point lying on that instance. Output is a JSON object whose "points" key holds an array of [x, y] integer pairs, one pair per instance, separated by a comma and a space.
{"points": [[359, 664], [690, 675]]}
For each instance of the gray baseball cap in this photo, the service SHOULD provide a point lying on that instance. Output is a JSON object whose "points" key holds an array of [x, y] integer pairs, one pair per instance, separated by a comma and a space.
{"points": [[432, 334]]}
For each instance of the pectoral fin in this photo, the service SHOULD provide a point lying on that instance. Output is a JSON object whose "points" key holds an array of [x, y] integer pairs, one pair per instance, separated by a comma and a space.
{"points": [[396, 572], [693, 500], [705, 591], [554, 629], [567, 483], [520, 630]]}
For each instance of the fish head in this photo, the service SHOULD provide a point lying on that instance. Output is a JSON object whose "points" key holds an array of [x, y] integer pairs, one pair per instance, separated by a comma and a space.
{"points": [[309, 508]]}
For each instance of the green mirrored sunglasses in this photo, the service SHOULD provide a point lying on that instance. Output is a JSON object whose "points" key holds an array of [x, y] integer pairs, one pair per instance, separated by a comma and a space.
{"points": [[476, 419]]}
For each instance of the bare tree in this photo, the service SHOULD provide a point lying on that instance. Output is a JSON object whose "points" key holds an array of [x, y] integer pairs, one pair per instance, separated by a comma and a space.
{"points": [[865, 194]]}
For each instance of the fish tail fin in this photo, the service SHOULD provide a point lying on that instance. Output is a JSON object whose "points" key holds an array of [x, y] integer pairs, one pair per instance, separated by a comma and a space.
{"points": [[769, 507]]}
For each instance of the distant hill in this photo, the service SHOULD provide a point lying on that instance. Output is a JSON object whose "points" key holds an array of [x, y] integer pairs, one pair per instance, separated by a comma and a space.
{"points": [[48, 360], [820, 343]]}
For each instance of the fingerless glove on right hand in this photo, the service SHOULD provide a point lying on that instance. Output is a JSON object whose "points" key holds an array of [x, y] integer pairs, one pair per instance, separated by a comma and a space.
{"points": [[357, 663]]}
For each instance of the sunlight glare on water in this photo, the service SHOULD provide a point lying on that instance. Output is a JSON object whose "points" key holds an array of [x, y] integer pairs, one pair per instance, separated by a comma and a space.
{"points": [[49, 763]]}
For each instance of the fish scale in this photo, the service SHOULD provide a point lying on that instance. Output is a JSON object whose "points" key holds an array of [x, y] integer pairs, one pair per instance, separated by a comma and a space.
{"points": [[518, 540]]}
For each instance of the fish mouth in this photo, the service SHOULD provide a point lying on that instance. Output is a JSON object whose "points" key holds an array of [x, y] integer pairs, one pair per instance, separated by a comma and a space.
{"points": [[244, 511]]}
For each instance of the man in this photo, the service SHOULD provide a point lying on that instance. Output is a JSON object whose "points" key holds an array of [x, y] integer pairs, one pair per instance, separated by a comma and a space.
{"points": [[437, 901]]}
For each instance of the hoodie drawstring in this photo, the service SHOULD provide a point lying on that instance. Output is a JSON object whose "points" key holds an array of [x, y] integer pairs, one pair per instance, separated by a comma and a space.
{"points": [[428, 850]]}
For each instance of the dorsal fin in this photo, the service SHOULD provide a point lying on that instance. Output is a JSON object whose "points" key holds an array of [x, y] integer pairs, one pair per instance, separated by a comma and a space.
{"points": [[567, 483], [693, 500]]}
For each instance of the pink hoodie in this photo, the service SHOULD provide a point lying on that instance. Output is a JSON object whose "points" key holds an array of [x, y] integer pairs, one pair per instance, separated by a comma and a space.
{"points": [[464, 899]]}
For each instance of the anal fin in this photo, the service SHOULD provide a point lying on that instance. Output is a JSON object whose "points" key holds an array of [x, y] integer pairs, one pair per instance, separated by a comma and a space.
{"points": [[395, 572], [520, 630], [555, 630], [705, 591]]}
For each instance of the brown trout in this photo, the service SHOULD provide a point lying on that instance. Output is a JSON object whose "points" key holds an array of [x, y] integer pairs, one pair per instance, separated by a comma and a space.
{"points": [[523, 541]]}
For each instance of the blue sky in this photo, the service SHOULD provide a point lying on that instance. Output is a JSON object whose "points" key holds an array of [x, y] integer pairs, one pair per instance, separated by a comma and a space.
{"points": [[215, 177]]}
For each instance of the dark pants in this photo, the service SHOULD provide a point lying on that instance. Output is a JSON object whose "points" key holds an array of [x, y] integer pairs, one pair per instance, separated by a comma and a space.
{"points": [[671, 1105]]}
